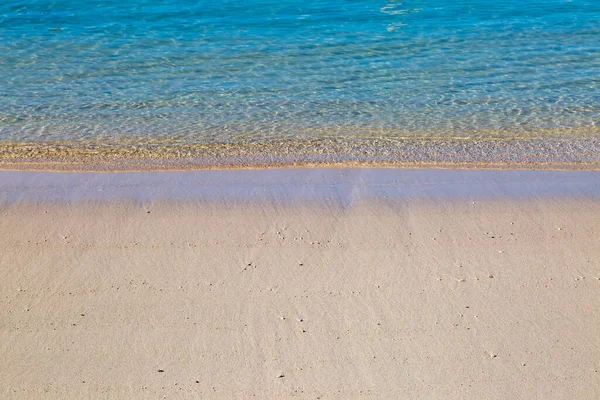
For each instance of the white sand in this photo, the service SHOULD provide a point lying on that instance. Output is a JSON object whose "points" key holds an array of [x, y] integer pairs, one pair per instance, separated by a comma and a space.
{"points": [[494, 298]]}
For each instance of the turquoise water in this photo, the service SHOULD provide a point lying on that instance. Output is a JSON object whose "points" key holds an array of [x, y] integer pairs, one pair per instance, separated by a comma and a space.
{"points": [[235, 72]]}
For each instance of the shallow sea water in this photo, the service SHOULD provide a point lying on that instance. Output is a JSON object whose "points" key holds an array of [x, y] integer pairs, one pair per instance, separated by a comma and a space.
{"points": [[289, 81]]}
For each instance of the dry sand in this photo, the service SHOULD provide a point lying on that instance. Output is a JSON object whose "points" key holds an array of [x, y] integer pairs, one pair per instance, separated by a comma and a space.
{"points": [[396, 289]]}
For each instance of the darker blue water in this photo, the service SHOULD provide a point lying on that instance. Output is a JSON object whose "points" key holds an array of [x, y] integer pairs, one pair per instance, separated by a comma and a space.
{"points": [[231, 71]]}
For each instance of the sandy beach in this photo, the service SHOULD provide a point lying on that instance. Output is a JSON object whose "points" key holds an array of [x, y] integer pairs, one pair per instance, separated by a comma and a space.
{"points": [[331, 284]]}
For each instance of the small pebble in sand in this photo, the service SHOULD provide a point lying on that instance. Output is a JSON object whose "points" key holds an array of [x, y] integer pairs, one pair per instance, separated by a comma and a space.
{"points": [[493, 355], [281, 376], [491, 276], [161, 370]]}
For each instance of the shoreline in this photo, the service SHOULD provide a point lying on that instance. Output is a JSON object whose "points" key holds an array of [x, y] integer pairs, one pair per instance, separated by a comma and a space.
{"points": [[132, 166], [578, 152]]}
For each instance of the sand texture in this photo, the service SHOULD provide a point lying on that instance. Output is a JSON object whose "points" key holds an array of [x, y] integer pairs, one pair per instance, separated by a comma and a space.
{"points": [[383, 297]]}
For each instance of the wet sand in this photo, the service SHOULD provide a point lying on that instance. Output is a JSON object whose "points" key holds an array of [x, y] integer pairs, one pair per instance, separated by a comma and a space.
{"points": [[300, 284], [558, 148]]}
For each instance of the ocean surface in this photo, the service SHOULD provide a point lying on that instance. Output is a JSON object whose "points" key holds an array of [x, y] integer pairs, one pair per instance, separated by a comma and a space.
{"points": [[289, 81]]}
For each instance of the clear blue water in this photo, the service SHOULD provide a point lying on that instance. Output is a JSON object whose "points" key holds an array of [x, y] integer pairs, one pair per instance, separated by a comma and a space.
{"points": [[262, 70]]}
